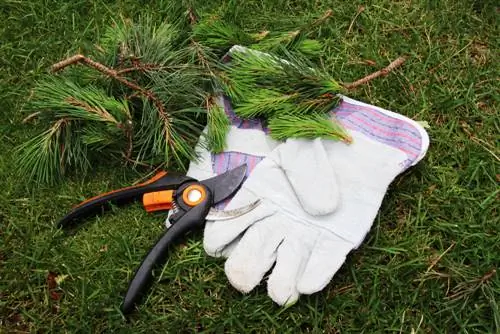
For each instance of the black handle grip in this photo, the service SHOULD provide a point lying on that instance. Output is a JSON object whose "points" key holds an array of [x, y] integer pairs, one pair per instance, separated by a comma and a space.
{"points": [[157, 256], [162, 181]]}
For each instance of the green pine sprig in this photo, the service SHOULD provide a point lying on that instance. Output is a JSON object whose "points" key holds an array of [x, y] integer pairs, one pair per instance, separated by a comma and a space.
{"points": [[220, 35], [217, 126], [249, 69], [310, 126], [263, 102], [285, 92]]}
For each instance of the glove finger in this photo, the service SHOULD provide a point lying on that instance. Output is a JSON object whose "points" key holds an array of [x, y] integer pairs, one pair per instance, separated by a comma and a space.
{"points": [[290, 262], [254, 255], [218, 234], [309, 171], [327, 257]]}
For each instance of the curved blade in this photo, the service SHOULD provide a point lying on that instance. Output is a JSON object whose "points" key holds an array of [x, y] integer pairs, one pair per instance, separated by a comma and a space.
{"points": [[218, 215], [226, 184]]}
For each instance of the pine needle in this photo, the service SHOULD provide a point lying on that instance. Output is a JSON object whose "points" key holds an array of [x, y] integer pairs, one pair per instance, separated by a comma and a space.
{"points": [[265, 102], [220, 35], [310, 126], [218, 127]]}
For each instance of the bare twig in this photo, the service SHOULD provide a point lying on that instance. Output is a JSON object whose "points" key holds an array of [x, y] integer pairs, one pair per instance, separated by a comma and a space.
{"points": [[101, 68], [479, 141], [140, 67], [192, 16], [326, 16], [130, 144], [467, 288], [396, 63], [436, 260], [486, 277], [66, 62], [361, 9]]}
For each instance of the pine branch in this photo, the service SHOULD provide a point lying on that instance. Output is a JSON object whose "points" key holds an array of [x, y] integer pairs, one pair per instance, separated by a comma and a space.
{"points": [[61, 97], [113, 74], [291, 94]]}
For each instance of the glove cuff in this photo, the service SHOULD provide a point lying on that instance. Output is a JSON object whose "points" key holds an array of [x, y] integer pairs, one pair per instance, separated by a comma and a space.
{"points": [[386, 127]]}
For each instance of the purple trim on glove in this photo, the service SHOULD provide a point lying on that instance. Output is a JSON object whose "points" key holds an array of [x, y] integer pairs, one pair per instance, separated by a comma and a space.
{"points": [[381, 127]]}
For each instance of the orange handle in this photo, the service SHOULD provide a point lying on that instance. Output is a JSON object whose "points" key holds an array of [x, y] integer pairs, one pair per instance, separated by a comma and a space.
{"points": [[151, 180], [158, 200]]}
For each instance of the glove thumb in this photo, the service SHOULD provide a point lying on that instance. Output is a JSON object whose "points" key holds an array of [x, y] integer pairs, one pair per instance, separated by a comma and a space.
{"points": [[311, 175]]}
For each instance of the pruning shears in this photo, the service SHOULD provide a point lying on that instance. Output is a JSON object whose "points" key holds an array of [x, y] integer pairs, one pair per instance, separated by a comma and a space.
{"points": [[191, 201]]}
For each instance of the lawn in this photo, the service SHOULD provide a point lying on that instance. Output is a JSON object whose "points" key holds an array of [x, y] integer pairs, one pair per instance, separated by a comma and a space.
{"points": [[430, 262]]}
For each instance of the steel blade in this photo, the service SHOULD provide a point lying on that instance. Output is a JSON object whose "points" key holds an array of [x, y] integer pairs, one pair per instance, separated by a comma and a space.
{"points": [[224, 185], [218, 215]]}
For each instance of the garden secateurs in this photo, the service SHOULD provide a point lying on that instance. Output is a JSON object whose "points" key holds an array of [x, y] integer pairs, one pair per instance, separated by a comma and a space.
{"points": [[190, 201]]}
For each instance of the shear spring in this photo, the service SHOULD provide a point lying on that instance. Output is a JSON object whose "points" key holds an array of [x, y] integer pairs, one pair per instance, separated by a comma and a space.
{"points": [[175, 208]]}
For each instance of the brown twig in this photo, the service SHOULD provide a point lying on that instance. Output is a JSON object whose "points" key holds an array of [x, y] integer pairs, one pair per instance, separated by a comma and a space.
{"points": [[326, 16], [192, 16], [140, 67], [361, 9], [130, 143], [486, 277], [398, 62], [436, 260], [479, 141], [66, 62]]}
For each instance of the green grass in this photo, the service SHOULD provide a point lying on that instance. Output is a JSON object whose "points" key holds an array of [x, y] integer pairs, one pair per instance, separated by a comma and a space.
{"points": [[427, 265]]}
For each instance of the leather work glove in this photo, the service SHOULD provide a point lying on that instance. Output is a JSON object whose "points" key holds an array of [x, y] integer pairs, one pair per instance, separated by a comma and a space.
{"points": [[318, 200]]}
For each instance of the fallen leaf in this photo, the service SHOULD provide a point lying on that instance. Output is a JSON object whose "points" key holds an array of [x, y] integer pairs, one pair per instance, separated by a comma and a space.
{"points": [[481, 105], [424, 124], [51, 280], [54, 295], [60, 279], [431, 189]]}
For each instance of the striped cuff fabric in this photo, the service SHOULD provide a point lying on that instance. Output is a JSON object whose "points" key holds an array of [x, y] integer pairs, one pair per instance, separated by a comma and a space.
{"points": [[384, 126]]}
